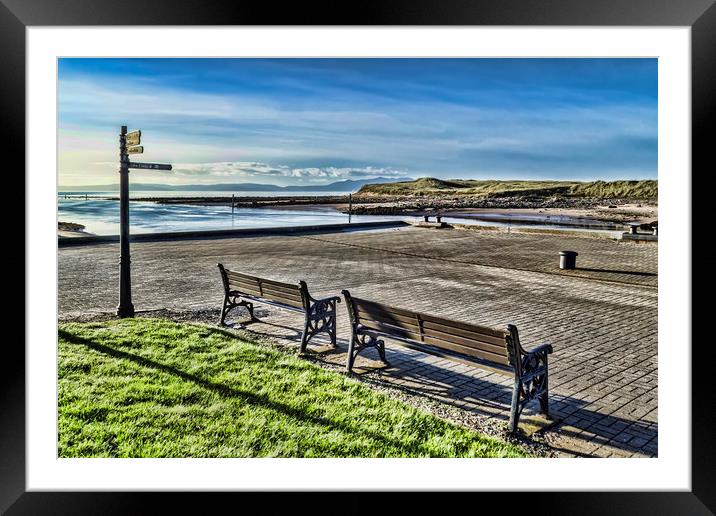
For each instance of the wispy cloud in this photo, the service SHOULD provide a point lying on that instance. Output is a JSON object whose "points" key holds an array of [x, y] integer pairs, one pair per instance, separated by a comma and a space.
{"points": [[239, 170], [316, 120]]}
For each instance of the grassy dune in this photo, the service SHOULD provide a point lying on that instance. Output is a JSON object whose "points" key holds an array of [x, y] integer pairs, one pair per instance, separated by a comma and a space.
{"points": [[156, 388], [428, 186]]}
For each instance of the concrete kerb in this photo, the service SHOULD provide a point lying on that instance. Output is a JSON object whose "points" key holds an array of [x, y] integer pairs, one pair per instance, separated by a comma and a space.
{"points": [[587, 233], [231, 233]]}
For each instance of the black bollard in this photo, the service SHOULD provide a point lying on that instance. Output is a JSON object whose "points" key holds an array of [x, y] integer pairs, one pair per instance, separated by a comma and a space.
{"points": [[567, 259]]}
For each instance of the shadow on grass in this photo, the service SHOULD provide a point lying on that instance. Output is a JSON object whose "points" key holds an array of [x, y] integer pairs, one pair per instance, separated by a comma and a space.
{"points": [[229, 392], [319, 340], [491, 397]]}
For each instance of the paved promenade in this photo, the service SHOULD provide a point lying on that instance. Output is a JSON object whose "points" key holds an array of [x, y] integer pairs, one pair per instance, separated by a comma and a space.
{"points": [[600, 318]]}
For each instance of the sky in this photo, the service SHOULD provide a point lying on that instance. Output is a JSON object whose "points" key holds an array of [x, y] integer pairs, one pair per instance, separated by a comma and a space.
{"points": [[315, 121]]}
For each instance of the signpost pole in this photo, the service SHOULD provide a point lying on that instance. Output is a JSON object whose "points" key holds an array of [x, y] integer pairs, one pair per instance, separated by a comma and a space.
{"points": [[125, 307]]}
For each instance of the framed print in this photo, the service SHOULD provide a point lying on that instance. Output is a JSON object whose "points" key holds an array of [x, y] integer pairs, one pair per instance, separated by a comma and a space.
{"points": [[414, 248]]}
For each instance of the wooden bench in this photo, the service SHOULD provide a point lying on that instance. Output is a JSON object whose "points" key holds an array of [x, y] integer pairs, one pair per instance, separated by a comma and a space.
{"points": [[243, 290], [497, 350]]}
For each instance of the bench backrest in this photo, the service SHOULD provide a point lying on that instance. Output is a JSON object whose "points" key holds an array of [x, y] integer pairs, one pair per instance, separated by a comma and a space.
{"points": [[481, 342], [277, 291]]}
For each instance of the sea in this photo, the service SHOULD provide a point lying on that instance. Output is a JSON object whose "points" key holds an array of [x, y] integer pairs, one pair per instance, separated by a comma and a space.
{"points": [[100, 215]]}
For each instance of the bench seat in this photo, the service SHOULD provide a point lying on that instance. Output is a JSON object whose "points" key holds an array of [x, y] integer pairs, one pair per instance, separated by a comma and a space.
{"points": [[498, 350], [242, 289]]}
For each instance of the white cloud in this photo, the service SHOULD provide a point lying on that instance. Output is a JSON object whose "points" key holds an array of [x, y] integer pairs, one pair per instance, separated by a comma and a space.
{"points": [[255, 170], [252, 169]]}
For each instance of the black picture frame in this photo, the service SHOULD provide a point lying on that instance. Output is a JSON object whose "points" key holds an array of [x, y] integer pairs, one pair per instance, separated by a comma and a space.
{"points": [[700, 15]]}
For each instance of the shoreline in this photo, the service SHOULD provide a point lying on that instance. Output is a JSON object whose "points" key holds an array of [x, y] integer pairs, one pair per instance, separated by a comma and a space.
{"points": [[517, 209], [71, 230]]}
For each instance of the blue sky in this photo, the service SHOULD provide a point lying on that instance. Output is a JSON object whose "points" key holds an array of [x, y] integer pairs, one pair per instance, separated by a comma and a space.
{"points": [[314, 121]]}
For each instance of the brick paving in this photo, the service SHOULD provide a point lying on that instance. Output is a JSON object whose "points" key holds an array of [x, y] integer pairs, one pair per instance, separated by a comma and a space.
{"points": [[601, 318]]}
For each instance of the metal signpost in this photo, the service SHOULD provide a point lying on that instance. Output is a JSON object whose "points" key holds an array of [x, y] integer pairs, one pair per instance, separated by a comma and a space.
{"points": [[128, 144]]}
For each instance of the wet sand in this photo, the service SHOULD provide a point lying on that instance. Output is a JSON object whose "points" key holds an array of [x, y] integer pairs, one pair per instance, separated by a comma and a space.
{"points": [[621, 214]]}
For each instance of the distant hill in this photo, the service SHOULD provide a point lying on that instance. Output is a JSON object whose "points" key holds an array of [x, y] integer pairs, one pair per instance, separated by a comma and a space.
{"points": [[624, 189], [348, 185]]}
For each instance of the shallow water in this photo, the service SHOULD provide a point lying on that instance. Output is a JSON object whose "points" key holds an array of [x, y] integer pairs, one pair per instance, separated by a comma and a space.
{"points": [[101, 217], [135, 194]]}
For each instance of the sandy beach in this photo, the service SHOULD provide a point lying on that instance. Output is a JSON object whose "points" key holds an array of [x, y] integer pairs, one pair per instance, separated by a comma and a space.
{"points": [[641, 213]]}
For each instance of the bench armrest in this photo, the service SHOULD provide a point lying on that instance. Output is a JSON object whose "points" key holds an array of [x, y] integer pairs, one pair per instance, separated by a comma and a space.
{"points": [[323, 305], [326, 299], [542, 348], [534, 361]]}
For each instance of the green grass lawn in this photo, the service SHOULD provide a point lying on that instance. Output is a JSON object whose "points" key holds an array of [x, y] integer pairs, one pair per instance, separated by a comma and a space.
{"points": [[156, 388]]}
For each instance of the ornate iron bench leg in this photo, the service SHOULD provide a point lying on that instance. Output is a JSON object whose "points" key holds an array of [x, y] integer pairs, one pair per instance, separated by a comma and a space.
{"points": [[380, 345], [515, 408], [544, 405], [305, 337], [350, 359], [228, 305], [320, 317], [250, 307], [332, 330], [531, 384], [544, 396], [360, 342]]}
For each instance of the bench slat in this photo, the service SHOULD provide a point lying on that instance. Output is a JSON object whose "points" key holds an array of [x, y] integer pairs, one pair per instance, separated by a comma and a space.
{"points": [[282, 291], [472, 336], [429, 321], [256, 281], [465, 350], [280, 284], [446, 332], [401, 334], [277, 291], [484, 343], [263, 300], [282, 299], [241, 275], [497, 349], [468, 360], [390, 330], [378, 307], [409, 323], [242, 287], [243, 281], [293, 294], [278, 297], [485, 330]]}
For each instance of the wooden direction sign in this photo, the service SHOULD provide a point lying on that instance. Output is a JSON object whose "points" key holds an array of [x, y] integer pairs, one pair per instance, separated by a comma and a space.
{"points": [[135, 150], [133, 138], [150, 166]]}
